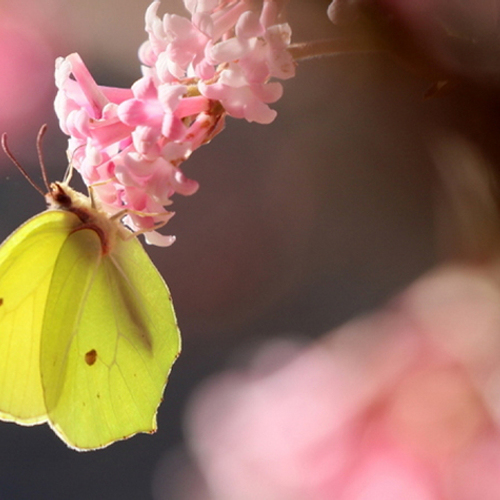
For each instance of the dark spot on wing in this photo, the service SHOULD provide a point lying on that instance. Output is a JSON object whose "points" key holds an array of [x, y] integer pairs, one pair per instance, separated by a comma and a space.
{"points": [[90, 357], [1, 301]]}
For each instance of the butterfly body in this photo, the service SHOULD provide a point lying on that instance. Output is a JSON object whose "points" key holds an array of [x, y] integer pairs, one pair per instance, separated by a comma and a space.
{"points": [[88, 333]]}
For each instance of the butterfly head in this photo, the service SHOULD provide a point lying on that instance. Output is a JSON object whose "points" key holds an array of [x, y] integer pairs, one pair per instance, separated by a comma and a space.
{"points": [[59, 197]]}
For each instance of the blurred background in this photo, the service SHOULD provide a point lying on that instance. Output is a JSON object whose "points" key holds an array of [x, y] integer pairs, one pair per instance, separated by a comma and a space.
{"points": [[298, 226]]}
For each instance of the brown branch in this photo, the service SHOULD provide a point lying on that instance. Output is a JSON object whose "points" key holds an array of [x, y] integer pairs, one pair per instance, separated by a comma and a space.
{"points": [[335, 46]]}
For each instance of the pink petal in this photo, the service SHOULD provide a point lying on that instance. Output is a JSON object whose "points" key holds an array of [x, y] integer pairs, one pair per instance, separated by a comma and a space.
{"points": [[145, 88], [249, 26], [230, 50], [170, 96], [158, 239], [94, 95]]}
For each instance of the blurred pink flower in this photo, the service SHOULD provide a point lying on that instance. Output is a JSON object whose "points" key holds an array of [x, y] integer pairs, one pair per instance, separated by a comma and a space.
{"points": [[26, 54], [402, 404], [128, 143]]}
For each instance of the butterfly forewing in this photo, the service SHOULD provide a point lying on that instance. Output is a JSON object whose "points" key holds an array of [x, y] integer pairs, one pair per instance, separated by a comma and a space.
{"points": [[27, 260]]}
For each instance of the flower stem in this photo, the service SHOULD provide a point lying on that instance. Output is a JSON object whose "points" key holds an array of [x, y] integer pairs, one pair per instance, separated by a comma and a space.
{"points": [[335, 46]]}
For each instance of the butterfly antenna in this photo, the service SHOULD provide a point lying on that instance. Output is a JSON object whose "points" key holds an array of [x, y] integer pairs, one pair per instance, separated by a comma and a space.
{"points": [[39, 140], [12, 158]]}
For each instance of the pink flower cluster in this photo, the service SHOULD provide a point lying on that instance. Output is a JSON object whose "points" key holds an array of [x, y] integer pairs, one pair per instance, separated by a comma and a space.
{"points": [[128, 143]]}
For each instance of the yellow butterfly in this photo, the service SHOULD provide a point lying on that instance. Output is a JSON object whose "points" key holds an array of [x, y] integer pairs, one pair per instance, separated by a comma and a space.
{"points": [[88, 333]]}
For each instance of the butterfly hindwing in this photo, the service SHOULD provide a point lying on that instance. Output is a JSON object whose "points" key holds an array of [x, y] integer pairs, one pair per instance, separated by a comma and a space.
{"points": [[109, 340]]}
